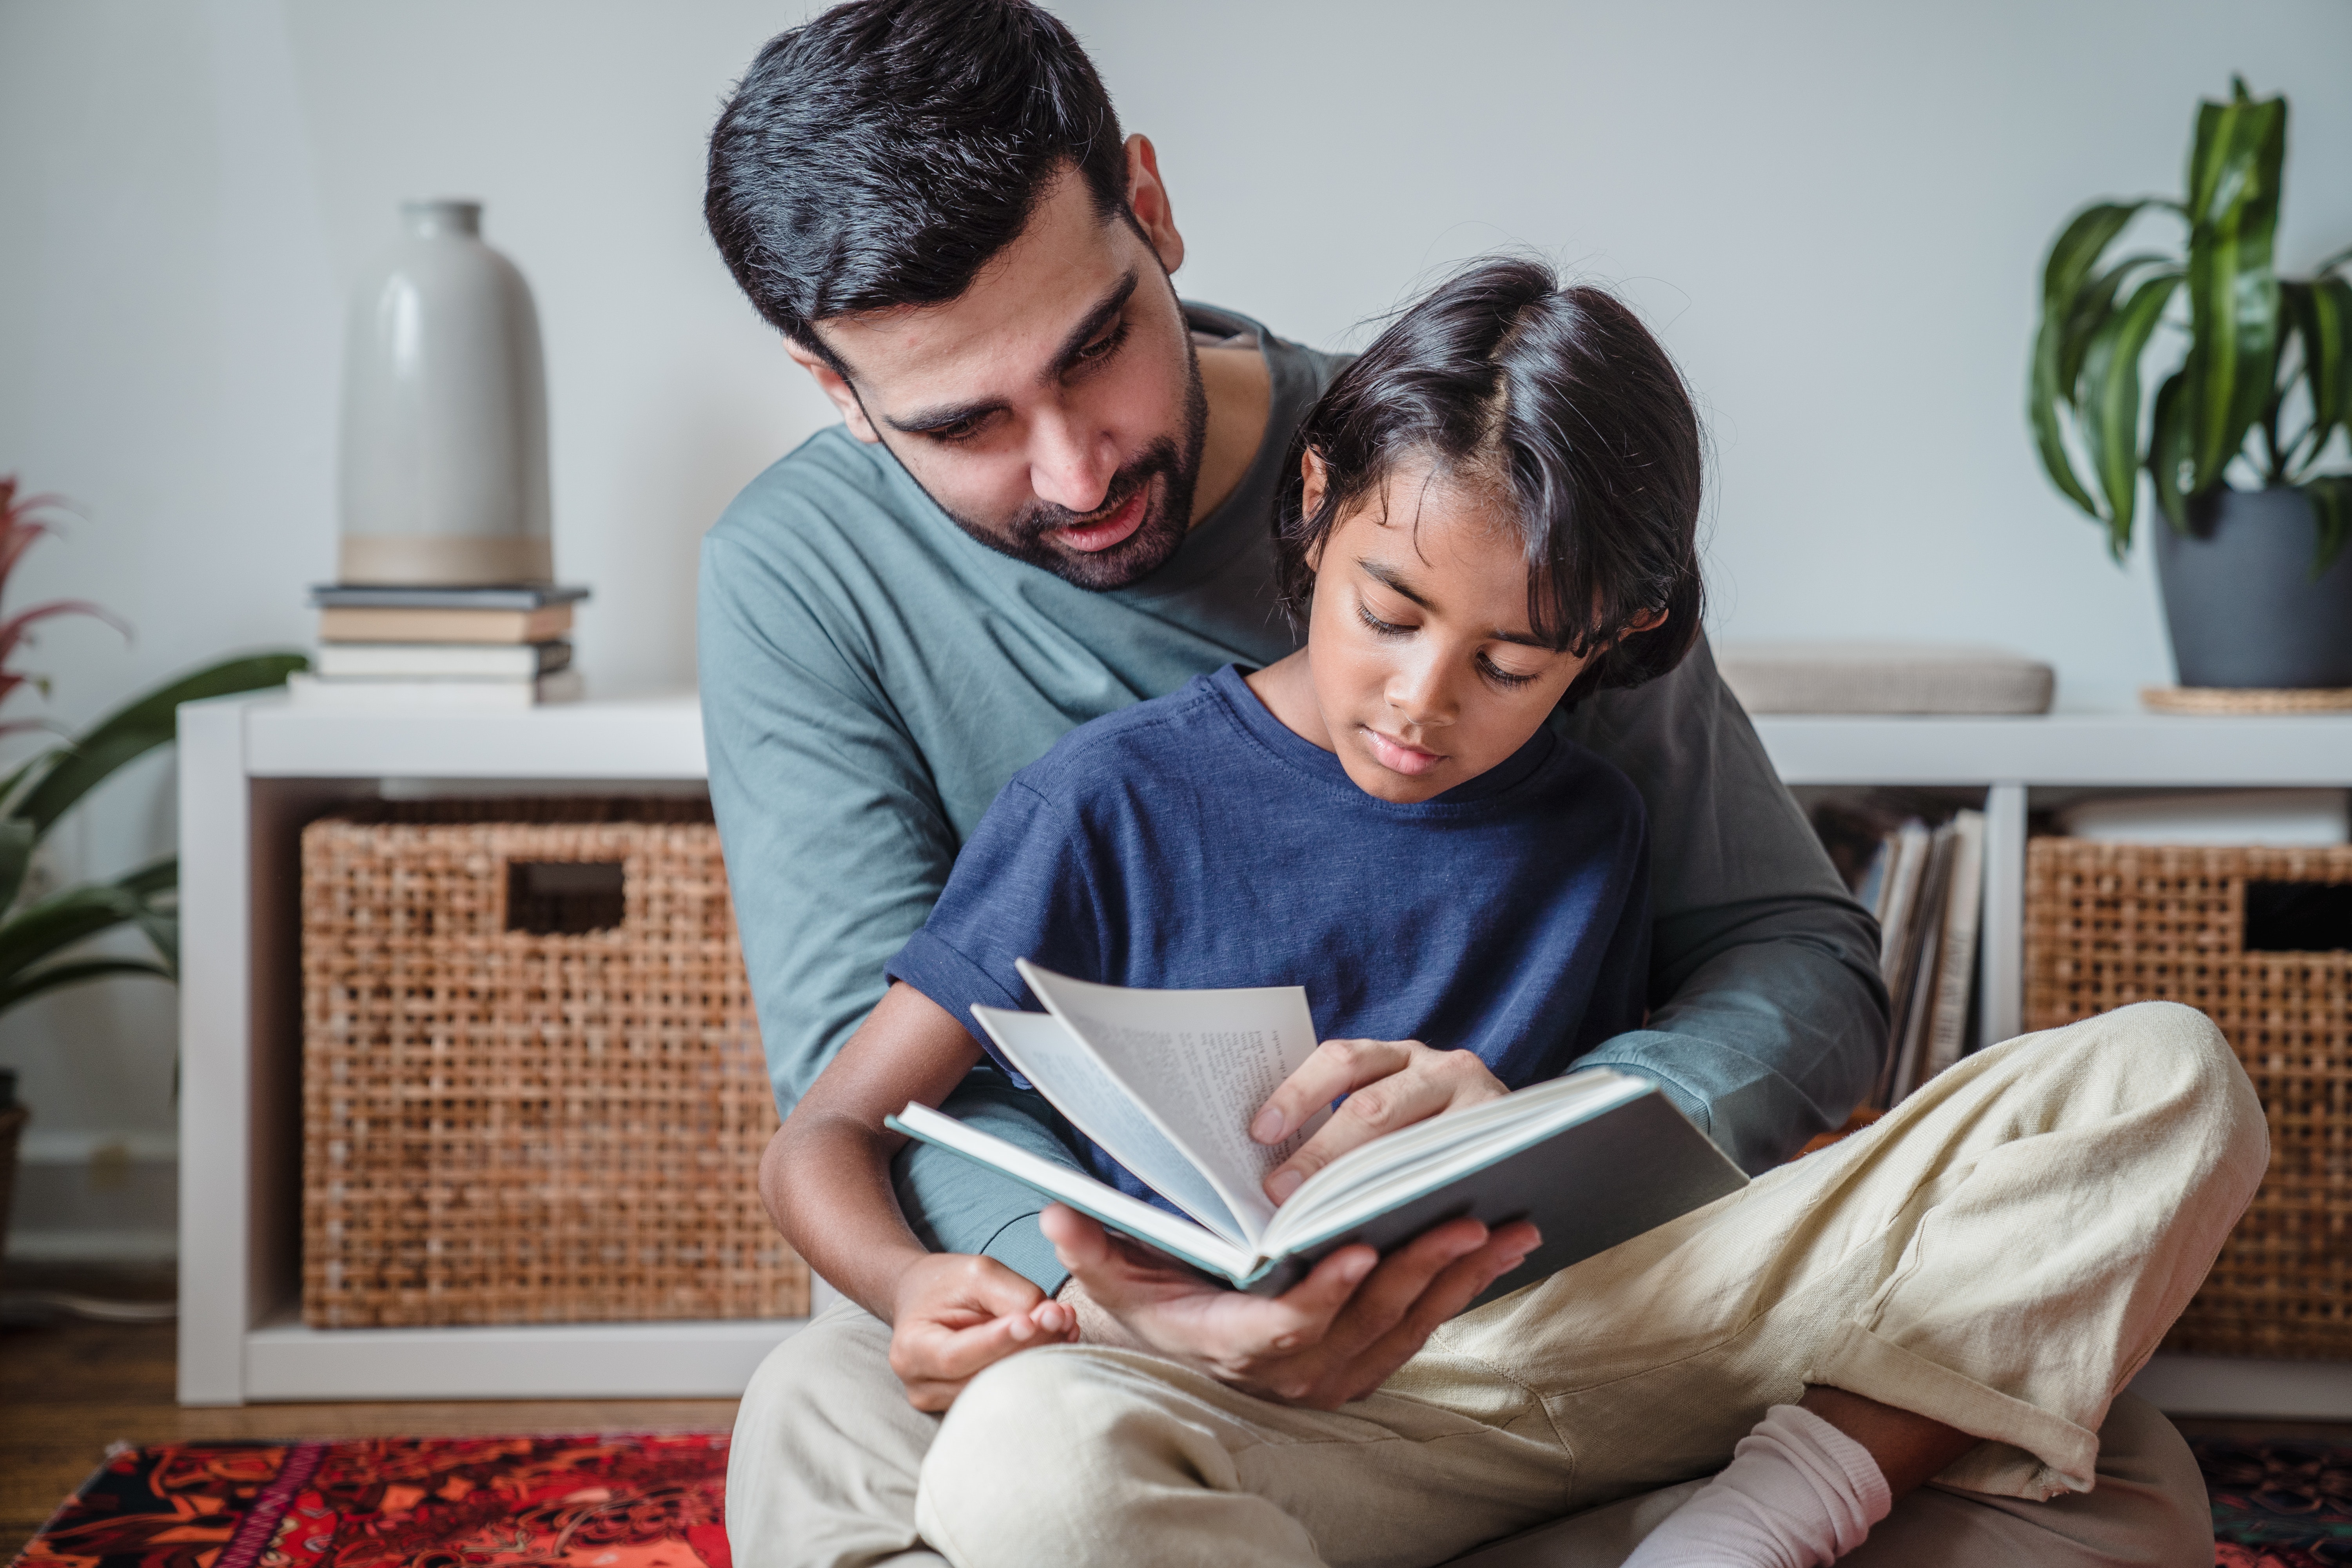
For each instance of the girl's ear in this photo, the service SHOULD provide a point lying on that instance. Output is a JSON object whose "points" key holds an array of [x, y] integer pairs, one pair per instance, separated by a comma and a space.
{"points": [[1314, 481], [1647, 621]]}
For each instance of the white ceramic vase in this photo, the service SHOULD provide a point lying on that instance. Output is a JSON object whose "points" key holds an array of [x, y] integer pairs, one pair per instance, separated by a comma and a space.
{"points": [[444, 475]]}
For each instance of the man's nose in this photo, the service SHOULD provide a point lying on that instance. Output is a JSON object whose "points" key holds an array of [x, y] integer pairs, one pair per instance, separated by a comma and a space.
{"points": [[1071, 464]]}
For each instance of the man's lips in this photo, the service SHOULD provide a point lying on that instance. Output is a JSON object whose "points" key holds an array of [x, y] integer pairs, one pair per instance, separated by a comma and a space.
{"points": [[1398, 757], [1090, 538]]}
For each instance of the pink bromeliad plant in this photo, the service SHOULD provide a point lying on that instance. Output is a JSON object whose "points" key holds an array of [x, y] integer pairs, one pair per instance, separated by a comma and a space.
{"points": [[39, 932]]}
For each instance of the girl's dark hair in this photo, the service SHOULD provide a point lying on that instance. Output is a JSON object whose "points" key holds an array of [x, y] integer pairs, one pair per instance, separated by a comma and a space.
{"points": [[1560, 398]]}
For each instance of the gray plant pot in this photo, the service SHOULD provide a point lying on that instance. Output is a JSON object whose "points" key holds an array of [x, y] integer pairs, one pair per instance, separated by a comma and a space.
{"points": [[2240, 600]]}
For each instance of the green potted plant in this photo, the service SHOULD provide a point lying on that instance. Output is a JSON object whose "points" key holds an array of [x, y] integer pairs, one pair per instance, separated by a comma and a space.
{"points": [[42, 932], [2256, 582]]}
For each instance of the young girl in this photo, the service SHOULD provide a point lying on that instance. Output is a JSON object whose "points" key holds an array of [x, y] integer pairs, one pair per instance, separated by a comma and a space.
{"points": [[1493, 512], [1383, 817]]}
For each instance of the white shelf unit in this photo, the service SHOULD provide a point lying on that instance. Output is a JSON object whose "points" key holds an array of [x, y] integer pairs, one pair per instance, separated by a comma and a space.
{"points": [[253, 770]]}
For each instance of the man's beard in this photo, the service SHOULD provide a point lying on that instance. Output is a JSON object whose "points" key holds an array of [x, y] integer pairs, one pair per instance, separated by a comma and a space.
{"points": [[1166, 520]]}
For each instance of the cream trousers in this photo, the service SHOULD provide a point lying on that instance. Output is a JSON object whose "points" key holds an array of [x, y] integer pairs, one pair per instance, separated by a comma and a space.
{"points": [[2001, 1253]]}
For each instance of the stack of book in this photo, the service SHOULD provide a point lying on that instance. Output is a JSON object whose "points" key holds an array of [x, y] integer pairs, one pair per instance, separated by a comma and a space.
{"points": [[477, 649], [1926, 885]]}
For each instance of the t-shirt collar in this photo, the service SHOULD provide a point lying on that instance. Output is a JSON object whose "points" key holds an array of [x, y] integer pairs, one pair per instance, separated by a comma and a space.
{"points": [[1231, 684]]}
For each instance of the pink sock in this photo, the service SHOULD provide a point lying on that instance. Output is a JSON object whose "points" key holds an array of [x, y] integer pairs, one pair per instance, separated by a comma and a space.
{"points": [[1797, 1493]]}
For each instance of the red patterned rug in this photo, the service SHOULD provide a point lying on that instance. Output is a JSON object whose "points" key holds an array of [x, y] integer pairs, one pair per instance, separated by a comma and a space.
{"points": [[633, 1501], [610, 1501]]}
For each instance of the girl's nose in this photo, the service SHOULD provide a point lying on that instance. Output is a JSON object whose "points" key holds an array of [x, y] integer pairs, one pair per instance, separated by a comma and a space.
{"points": [[1422, 692]]}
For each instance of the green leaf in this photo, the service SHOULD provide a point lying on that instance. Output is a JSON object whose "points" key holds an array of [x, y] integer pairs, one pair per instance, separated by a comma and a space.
{"points": [[2167, 453], [59, 921], [2323, 318], [15, 858], [2331, 508], [156, 877], [2233, 293], [2067, 315], [140, 727], [21, 988], [2111, 400]]}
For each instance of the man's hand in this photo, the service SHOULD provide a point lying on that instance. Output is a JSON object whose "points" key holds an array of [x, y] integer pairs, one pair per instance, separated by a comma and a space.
{"points": [[955, 1314], [1335, 1336], [1388, 1084]]}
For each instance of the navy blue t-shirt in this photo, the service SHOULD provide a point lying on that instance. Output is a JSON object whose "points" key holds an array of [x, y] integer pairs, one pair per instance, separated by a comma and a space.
{"points": [[1194, 841]]}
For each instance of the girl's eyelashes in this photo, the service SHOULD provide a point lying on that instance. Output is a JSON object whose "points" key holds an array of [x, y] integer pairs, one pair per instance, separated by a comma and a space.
{"points": [[1376, 626], [1502, 678]]}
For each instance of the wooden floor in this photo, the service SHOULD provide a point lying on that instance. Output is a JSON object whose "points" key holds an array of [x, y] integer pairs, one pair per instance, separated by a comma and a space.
{"points": [[68, 1389]]}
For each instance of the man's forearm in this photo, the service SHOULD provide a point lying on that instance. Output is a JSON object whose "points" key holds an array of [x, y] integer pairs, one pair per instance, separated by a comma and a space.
{"points": [[1773, 1027]]}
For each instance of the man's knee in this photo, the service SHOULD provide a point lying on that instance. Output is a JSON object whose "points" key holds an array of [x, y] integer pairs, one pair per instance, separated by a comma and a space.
{"points": [[823, 1464]]}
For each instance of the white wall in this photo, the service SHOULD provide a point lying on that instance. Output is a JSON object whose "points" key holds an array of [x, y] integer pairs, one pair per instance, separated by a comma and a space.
{"points": [[1833, 211]]}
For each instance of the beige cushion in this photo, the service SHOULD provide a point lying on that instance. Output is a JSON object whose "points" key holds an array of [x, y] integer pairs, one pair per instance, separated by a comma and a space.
{"points": [[1883, 677]]}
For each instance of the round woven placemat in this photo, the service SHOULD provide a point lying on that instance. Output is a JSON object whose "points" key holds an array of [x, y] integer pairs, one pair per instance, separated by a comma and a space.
{"points": [[2245, 700]]}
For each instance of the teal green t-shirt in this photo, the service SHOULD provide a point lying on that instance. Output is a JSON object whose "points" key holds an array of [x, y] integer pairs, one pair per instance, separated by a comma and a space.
{"points": [[872, 676]]}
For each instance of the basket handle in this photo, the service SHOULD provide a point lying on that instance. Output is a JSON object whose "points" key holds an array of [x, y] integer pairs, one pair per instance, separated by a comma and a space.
{"points": [[566, 898]]}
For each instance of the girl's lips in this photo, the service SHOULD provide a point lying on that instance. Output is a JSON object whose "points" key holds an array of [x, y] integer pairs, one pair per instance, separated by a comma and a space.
{"points": [[1115, 528], [1398, 757]]}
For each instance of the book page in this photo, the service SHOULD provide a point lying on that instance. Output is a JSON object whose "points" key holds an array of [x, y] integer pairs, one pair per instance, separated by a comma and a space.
{"points": [[1200, 1063], [1066, 1073], [1176, 1237]]}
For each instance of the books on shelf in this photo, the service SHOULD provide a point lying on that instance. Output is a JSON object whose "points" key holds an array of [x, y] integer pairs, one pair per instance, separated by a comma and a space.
{"points": [[428, 625], [439, 661], [433, 696], [1926, 886], [1167, 1081], [384, 597], [403, 650]]}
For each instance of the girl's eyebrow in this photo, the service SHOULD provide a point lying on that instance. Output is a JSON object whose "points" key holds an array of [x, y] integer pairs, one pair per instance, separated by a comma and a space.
{"points": [[1390, 578]]}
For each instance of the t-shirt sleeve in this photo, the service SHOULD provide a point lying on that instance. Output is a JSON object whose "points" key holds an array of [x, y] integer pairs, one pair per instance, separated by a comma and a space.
{"points": [[1024, 887], [836, 843]]}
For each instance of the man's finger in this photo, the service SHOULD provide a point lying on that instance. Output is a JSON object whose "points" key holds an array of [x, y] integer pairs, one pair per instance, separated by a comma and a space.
{"points": [[1455, 1286], [1401, 1279], [1335, 1067], [1379, 1107]]}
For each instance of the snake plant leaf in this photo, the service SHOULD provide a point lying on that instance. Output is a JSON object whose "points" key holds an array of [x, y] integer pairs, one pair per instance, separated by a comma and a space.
{"points": [[157, 876], [140, 727], [2323, 318], [2065, 312], [2167, 453], [59, 921], [2331, 507], [2233, 294], [16, 841], [49, 977], [156, 888], [2111, 401]]}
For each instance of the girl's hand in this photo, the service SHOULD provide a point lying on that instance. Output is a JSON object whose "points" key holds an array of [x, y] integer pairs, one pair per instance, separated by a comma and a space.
{"points": [[955, 1314], [1388, 1084]]}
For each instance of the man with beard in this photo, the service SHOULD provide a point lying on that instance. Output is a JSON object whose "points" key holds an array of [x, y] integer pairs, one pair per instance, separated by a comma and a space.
{"points": [[1050, 497]]}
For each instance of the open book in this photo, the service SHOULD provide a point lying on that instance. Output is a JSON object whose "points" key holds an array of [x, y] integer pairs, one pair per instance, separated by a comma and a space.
{"points": [[1167, 1081]]}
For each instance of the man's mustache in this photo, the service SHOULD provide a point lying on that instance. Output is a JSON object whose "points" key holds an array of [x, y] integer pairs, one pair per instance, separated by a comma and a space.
{"points": [[1043, 518]]}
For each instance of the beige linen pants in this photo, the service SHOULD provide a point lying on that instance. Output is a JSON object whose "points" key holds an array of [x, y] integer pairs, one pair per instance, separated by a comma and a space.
{"points": [[2001, 1253]]}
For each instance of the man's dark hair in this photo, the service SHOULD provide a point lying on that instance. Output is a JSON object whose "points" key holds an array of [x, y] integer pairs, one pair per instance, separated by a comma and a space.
{"points": [[879, 155], [1560, 399]]}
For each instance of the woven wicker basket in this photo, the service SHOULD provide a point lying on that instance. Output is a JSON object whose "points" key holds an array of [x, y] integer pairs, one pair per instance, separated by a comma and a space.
{"points": [[2109, 924], [532, 1088]]}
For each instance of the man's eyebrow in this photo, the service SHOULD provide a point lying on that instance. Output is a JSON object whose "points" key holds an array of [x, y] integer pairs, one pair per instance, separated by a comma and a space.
{"points": [[1105, 312], [946, 416], [1389, 578]]}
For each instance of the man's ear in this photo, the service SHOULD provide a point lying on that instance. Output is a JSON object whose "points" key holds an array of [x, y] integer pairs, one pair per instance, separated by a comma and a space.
{"points": [[1147, 198], [833, 386]]}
